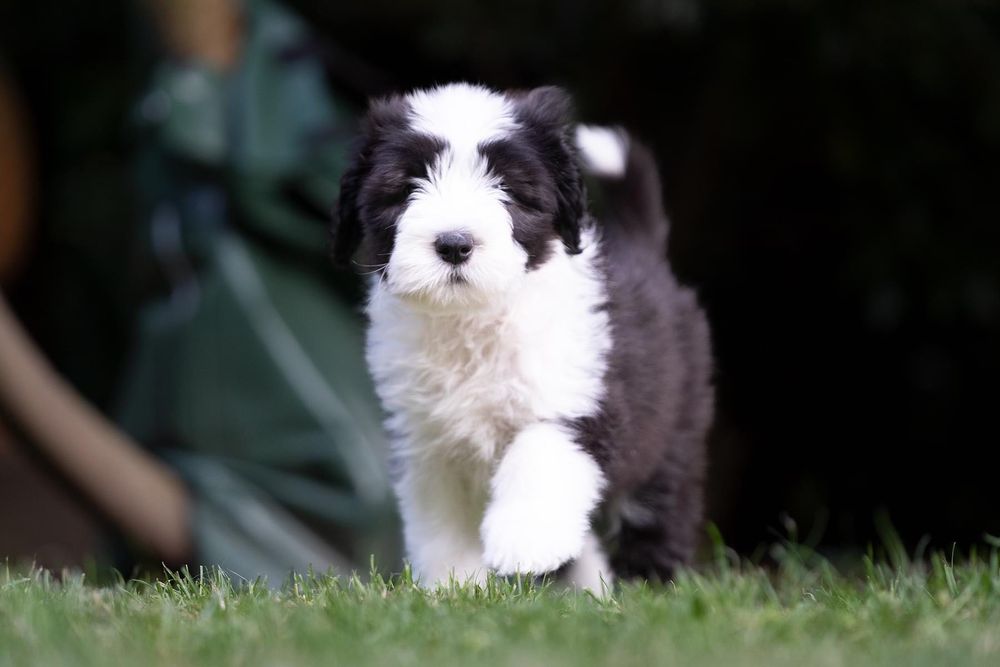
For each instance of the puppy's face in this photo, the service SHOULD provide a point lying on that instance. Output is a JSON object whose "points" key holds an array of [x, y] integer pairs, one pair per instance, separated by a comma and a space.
{"points": [[458, 192]]}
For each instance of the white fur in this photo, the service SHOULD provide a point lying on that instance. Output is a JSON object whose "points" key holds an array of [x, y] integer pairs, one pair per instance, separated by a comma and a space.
{"points": [[542, 496], [441, 514], [459, 194], [460, 386], [463, 114], [466, 381], [604, 150], [591, 570], [477, 376]]}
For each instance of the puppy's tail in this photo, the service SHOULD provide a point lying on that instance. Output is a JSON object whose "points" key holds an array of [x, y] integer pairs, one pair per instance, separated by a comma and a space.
{"points": [[630, 191]]}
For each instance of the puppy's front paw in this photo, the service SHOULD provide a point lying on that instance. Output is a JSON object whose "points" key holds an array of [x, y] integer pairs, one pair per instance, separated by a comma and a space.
{"points": [[522, 537]]}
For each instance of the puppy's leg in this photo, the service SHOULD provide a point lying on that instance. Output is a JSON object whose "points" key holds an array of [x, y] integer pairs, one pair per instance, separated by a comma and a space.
{"points": [[591, 570], [440, 524], [660, 524], [542, 495]]}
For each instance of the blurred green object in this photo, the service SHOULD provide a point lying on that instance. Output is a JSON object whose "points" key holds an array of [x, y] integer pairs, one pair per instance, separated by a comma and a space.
{"points": [[249, 373]]}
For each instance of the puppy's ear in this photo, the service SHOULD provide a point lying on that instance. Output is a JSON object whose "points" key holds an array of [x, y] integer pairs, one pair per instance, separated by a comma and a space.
{"points": [[347, 231], [549, 106], [546, 114]]}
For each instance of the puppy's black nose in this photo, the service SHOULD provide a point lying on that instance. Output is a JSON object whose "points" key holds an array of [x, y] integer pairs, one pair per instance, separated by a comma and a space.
{"points": [[454, 247]]}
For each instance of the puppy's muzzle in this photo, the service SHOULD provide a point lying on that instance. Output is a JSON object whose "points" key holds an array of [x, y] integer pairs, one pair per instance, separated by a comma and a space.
{"points": [[454, 247]]}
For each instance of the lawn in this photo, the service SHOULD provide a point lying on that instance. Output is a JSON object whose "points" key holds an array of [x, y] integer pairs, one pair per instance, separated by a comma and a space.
{"points": [[800, 611]]}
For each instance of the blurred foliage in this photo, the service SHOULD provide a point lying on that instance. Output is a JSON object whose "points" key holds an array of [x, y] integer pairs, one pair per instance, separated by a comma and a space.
{"points": [[831, 170]]}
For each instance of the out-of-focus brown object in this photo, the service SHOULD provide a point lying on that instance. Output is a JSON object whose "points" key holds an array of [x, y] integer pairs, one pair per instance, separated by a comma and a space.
{"points": [[145, 498], [40, 522], [209, 31], [17, 180], [142, 496]]}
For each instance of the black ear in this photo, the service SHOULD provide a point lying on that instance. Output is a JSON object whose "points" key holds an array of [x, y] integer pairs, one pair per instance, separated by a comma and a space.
{"points": [[546, 114], [346, 231]]}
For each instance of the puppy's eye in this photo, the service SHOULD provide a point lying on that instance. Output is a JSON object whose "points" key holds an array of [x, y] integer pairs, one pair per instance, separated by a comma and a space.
{"points": [[395, 196], [526, 200], [516, 194]]}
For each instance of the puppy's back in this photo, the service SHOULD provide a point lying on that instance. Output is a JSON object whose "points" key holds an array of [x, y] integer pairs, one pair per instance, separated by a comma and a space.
{"points": [[659, 401]]}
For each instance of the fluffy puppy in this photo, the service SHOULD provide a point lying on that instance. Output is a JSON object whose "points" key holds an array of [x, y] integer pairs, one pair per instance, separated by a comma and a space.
{"points": [[546, 379]]}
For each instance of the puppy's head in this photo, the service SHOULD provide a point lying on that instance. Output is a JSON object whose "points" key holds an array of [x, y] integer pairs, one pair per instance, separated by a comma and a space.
{"points": [[456, 193]]}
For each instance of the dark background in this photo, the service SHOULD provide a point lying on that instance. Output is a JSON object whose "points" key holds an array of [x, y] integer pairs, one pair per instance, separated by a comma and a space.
{"points": [[832, 176]]}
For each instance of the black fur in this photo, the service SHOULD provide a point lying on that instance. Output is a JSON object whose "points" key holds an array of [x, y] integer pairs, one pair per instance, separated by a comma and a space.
{"points": [[649, 436], [375, 187], [534, 206], [539, 166], [545, 115]]}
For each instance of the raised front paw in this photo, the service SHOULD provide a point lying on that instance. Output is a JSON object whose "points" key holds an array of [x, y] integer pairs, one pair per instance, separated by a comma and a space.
{"points": [[520, 537]]}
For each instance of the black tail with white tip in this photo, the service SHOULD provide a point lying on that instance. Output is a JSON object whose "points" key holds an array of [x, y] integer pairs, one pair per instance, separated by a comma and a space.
{"points": [[630, 188]]}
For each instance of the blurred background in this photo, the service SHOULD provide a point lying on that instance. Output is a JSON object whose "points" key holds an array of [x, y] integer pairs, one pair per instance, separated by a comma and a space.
{"points": [[832, 171]]}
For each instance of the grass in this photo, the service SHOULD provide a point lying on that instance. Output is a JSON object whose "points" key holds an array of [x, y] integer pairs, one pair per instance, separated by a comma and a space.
{"points": [[802, 611]]}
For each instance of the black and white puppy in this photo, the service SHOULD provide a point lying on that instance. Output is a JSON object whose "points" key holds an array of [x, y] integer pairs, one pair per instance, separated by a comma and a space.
{"points": [[546, 379]]}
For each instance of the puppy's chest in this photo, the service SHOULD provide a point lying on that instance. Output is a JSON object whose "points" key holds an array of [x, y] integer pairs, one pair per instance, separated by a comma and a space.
{"points": [[465, 386]]}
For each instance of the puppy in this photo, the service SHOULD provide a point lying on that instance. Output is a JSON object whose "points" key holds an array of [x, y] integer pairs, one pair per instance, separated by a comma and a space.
{"points": [[546, 379]]}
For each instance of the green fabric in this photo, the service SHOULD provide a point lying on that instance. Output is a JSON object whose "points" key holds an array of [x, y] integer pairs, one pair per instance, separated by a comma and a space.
{"points": [[248, 374]]}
